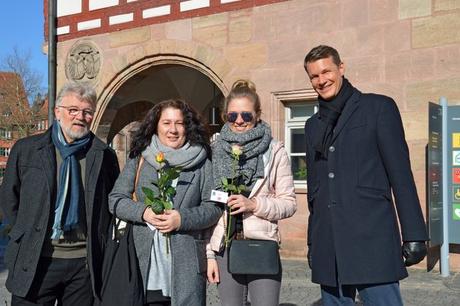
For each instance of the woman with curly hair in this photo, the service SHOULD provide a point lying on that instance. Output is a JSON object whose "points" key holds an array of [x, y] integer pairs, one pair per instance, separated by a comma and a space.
{"points": [[174, 269]]}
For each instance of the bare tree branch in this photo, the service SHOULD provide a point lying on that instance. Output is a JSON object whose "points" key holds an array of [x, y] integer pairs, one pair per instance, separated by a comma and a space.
{"points": [[19, 63], [19, 87]]}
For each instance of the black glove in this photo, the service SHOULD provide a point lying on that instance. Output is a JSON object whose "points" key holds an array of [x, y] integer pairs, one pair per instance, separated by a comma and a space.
{"points": [[309, 258], [414, 252]]}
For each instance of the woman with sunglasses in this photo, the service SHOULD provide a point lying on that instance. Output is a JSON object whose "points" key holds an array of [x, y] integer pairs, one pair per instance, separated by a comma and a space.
{"points": [[265, 171]]}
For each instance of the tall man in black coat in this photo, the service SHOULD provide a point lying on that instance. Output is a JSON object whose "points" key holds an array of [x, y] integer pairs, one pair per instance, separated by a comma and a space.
{"points": [[54, 195], [357, 157]]}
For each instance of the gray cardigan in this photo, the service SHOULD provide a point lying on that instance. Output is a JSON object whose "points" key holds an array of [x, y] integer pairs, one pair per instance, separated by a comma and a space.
{"points": [[198, 213]]}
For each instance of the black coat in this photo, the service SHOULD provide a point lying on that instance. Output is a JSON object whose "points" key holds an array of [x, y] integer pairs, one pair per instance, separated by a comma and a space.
{"points": [[28, 196], [353, 227]]}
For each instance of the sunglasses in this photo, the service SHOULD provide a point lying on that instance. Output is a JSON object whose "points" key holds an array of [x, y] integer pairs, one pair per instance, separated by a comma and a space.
{"points": [[246, 116]]}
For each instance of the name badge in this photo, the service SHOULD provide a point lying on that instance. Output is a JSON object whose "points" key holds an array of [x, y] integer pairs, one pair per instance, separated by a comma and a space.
{"points": [[219, 196]]}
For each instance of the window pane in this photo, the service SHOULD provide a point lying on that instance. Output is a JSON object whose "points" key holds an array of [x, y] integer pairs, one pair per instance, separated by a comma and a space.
{"points": [[302, 110], [299, 167], [298, 143]]}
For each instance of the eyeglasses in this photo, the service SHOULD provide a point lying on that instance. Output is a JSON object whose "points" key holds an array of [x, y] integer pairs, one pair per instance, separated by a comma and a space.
{"points": [[246, 116], [73, 111]]}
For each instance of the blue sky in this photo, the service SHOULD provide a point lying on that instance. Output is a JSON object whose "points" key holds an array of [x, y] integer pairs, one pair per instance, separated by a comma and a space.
{"points": [[22, 25]]}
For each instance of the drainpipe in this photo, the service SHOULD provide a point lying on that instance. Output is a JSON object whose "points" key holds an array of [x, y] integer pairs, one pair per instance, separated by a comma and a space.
{"points": [[51, 59]]}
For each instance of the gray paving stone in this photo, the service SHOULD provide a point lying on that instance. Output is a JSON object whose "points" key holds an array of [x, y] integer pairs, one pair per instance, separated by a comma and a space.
{"points": [[421, 288]]}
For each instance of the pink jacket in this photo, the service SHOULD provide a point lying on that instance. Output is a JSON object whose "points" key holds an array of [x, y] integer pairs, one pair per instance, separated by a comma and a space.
{"points": [[275, 198]]}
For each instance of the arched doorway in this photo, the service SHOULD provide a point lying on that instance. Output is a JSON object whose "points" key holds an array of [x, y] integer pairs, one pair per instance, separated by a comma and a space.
{"points": [[137, 94]]}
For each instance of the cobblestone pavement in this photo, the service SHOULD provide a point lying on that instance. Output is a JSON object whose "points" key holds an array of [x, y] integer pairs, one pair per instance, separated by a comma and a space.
{"points": [[420, 289]]}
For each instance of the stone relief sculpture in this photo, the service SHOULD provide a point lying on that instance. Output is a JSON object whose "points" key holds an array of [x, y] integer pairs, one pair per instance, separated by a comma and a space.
{"points": [[83, 62]]}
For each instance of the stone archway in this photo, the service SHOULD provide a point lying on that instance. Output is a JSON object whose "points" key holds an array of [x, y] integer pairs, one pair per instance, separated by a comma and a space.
{"points": [[129, 113], [154, 79]]}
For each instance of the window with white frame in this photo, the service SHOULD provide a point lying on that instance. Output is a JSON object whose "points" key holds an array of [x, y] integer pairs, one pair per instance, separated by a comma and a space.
{"points": [[42, 125], [5, 134], [292, 108], [296, 113], [4, 152]]}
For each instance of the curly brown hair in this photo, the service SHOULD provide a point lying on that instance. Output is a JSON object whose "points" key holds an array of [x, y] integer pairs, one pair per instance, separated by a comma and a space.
{"points": [[196, 132]]}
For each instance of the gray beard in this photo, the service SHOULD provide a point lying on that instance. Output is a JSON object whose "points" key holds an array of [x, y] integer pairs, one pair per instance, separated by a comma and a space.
{"points": [[75, 135]]}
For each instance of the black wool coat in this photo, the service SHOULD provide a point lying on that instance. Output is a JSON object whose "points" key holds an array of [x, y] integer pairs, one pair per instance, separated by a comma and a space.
{"points": [[28, 196], [353, 229]]}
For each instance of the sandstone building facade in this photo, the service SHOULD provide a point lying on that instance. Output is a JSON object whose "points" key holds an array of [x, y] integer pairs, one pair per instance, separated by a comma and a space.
{"points": [[139, 52]]}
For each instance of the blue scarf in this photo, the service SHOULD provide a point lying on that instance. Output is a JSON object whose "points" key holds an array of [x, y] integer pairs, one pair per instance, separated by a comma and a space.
{"points": [[69, 181]]}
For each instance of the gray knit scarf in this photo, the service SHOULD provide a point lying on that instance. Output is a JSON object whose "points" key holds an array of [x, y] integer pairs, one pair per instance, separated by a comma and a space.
{"points": [[186, 157], [254, 144]]}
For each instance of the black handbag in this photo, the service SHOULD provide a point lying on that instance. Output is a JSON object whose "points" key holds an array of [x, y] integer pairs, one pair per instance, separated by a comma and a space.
{"points": [[121, 277], [251, 256]]}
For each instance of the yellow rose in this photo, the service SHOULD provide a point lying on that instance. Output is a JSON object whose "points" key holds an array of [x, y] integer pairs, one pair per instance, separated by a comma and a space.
{"points": [[237, 150], [160, 157]]}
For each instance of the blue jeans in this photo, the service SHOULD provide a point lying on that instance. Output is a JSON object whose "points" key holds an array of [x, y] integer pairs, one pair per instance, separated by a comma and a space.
{"points": [[386, 294]]}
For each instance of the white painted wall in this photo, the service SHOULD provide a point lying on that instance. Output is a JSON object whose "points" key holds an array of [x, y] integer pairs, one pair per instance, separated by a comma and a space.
{"points": [[66, 7], [98, 4]]}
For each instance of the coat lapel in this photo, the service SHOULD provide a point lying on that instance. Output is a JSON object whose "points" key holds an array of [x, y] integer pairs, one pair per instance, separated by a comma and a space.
{"points": [[48, 160], [94, 159], [185, 179], [349, 109]]}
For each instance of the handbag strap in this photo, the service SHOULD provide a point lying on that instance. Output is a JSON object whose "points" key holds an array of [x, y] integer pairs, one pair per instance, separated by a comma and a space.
{"points": [[116, 224], [239, 232], [136, 180], [237, 222]]}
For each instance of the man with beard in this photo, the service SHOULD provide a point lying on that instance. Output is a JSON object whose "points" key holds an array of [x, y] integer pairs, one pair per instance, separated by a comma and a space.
{"points": [[54, 195], [357, 157]]}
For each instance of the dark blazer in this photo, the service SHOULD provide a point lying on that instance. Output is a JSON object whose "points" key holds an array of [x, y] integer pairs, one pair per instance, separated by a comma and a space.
{"points": [[28, 196], [353, 227]]}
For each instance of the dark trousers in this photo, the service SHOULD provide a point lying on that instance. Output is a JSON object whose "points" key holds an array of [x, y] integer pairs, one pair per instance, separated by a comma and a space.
{"points": [[385, 294], [66, 281], [156, 298]]}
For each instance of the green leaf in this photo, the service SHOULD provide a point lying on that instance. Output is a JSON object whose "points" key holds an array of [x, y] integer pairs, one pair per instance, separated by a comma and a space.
{"points": [[157, 206], [224, 181], [148, 202], [172, 173], [241, 188], [170, 191], [162, 181], [148, 193], [168, 205], [232, 188]]}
